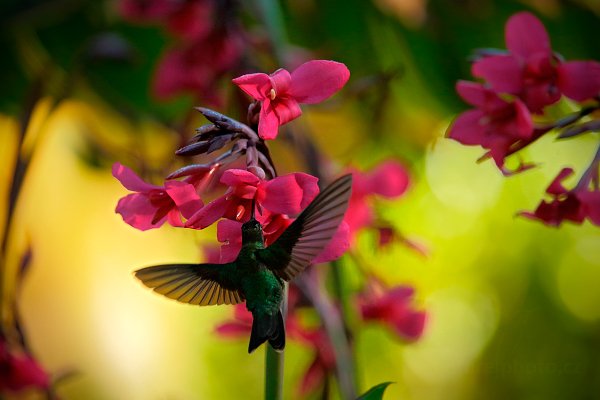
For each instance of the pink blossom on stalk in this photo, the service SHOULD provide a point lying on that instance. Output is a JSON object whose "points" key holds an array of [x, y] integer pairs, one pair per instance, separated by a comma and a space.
{"points": [[192, 20], [532, 71], [196, 67], [19, 371], [568, 205], [282, 92], [496, 123], [287, 194], [389, 179], [152, 205], [393, 307], [188, 20], [324, 359]]}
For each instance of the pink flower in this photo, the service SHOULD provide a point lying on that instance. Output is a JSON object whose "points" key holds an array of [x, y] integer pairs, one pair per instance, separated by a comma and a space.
{"points": [[287, 194], [196, 67], [532, 71], [141, 11], [389, 179], [568, 205], [240, 326], [393, 307], [188, 20], [495, 124], [324, 360], [281, 92], [152, 205], [19, 371], [192, 20]]}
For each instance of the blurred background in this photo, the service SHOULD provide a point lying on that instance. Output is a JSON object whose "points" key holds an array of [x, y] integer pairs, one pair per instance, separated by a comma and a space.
{"points": [[513, 306]]}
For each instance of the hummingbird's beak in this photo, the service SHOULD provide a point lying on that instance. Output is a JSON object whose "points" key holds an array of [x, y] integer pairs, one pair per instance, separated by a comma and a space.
{"points": [[252, 209]]}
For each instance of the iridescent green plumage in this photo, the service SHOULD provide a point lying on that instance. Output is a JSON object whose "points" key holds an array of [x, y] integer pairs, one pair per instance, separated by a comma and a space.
{"points": [[257, 274]]}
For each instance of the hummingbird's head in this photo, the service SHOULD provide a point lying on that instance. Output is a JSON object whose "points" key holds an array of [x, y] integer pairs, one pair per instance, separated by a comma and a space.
{"points": [[252, 231]]}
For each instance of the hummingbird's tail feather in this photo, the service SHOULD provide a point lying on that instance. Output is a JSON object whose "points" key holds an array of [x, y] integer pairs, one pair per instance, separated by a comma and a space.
{"points": [[267, 327]]}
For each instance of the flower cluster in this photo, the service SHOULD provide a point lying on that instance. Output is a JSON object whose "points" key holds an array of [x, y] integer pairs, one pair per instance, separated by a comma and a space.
{"points": [[573, 205], [518, 86], [208, 44], [277, 198], [519, 83]]}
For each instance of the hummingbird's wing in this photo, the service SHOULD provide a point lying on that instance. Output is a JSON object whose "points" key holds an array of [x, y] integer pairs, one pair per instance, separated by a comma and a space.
{"points": [[308, 235], [199, 284]]}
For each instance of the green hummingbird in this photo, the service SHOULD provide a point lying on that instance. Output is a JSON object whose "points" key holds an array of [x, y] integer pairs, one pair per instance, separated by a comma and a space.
{"points": [[258, 273]]}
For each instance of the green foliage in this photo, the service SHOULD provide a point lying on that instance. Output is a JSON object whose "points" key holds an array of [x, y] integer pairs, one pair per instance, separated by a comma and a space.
{"points": [[375, 393]]}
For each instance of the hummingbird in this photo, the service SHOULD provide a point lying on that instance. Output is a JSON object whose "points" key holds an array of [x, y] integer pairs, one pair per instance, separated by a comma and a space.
{"points": [[258, 273]]}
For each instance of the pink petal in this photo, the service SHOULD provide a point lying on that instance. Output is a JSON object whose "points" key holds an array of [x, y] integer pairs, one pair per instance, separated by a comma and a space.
{"points": [[336, 247], [579, 80], [388, 179], [473, 93], [169, 77], [539, 95], [317, 80], [233, 329], [591, 205], [256, 85], [401, 294], [411, 326], [358, 215], [208, 214], [174, 218], [238, 177], [138, 212], [523, 120], [313, 377], [467, 128], [192, 20], [130, 180], [503, 72], [185, 197], [556, 188], [230, 234], [268, 122], [280, 81], [525, 35], [288, 194], [286, 109]]}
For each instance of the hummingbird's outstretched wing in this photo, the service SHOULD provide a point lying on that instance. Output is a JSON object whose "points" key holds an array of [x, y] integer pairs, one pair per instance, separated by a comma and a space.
{"points": [[308, 235], [199, 284]]}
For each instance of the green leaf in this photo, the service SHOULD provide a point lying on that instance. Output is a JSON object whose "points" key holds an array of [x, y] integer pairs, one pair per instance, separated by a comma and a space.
{"points": [[376, 392]]}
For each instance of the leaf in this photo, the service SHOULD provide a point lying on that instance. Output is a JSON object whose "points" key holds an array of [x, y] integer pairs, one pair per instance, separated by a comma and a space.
{"points": [[376, 392]]}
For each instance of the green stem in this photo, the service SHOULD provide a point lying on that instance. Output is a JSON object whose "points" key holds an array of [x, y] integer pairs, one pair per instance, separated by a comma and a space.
{"points": [[274, 362], [273, 374]]}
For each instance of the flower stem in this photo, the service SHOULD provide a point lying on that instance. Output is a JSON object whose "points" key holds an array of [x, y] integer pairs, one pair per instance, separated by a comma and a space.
{"points": [[274, 362], [273, 374]]}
